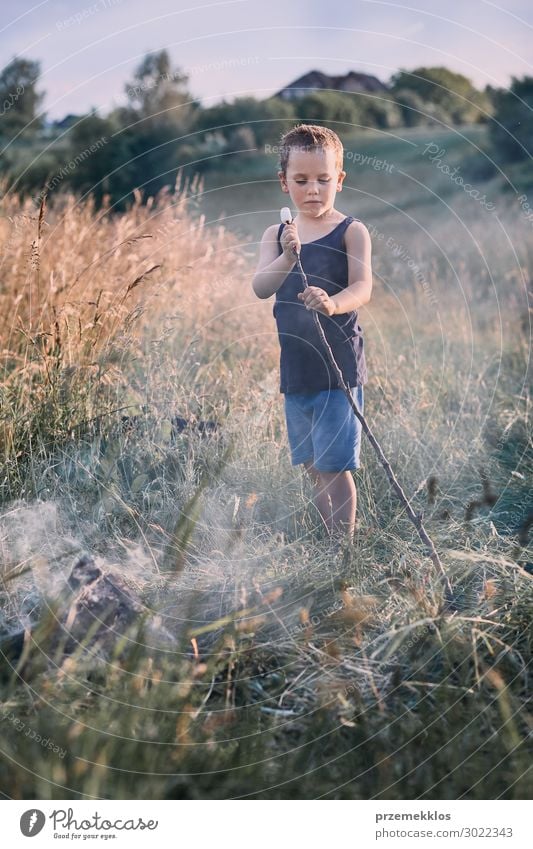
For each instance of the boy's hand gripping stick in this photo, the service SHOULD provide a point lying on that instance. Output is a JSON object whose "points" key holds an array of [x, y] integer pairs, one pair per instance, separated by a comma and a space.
{"points": [[286, 216]]}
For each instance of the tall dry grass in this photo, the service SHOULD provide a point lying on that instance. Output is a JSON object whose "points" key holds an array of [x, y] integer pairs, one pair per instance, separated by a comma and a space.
{"points": [[88, 302]]}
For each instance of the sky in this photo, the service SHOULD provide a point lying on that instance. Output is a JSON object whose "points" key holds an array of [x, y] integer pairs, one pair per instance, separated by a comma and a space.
{"points": [[88, 49]]}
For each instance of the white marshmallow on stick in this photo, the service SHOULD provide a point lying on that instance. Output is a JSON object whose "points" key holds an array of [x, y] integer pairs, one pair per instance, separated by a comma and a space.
{"points": [[286, 216]]}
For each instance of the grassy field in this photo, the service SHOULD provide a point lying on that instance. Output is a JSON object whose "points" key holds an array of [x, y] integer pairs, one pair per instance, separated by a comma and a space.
{"points": [[272, 668]]}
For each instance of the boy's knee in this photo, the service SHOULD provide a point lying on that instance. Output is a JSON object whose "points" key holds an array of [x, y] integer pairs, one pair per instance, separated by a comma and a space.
{"points": [[331, 477]]}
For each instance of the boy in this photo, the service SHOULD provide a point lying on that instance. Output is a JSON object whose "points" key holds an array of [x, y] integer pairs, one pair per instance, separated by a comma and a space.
{"points": [[324, 433]]}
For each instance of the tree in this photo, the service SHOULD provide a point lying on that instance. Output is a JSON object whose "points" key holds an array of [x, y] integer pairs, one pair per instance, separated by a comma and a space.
{"points": [[267, 119], [511, 131], [413, 108], [19, 99], [160, 113], [418, 112], [382, 112], [99, 160], [322, 107], [352, 108], [452, 93], [158, 93]]}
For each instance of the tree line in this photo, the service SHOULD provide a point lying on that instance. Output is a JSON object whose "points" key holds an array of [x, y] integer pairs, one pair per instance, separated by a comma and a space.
{"points": [[163, 127]]}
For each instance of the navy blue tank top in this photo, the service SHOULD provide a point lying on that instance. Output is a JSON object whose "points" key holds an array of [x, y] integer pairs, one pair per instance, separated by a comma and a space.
{"points": [[304, 365]]}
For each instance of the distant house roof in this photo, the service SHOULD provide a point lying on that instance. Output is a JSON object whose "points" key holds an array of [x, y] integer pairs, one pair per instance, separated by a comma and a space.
{"points": [[317, 81], [67, 121]]}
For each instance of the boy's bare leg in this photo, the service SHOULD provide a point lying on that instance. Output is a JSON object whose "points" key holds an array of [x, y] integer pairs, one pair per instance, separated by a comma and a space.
{"points": [[340, 487], [321, 497], [335, 497]]}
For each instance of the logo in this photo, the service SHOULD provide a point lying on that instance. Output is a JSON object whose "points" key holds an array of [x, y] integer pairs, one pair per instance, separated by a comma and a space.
{"points": [[31, 822]]}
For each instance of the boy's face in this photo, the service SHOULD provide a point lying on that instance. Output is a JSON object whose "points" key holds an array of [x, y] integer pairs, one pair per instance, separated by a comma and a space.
{"points": [[312, 180]]}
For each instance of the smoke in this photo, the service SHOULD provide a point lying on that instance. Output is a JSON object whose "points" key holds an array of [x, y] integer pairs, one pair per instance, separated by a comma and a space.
{"points": [[38, 548]]}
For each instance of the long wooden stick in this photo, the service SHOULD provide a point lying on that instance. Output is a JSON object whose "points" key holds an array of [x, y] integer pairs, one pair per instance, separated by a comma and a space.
{"points": [[416, 518]]}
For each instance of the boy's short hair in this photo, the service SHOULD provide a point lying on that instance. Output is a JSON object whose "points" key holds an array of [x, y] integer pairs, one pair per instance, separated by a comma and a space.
{"points": [[309, 137]]}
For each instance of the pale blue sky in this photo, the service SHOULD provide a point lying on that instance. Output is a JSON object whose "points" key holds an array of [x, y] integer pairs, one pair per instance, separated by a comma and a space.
{"points": [[238, 47]]}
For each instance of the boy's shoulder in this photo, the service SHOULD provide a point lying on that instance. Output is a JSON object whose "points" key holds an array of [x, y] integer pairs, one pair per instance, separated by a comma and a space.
{"points": [[271, 232], [356, 225], [356, 233]]}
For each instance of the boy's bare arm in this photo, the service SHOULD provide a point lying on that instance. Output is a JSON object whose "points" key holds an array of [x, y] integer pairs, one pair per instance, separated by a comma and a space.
{"points": [[272, 268], [359, 253]]}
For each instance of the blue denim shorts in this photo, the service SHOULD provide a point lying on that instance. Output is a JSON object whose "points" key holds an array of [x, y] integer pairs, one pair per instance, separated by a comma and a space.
{"points": [[323, 428]]}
